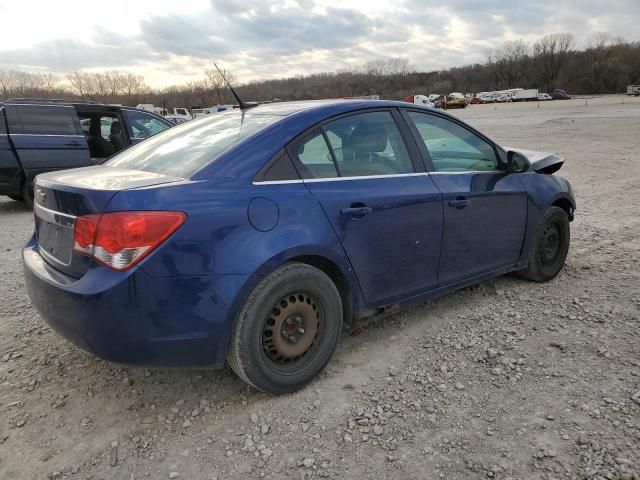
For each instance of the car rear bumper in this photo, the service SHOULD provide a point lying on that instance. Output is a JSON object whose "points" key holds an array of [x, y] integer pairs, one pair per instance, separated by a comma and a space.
{"points": [[133, 318]]}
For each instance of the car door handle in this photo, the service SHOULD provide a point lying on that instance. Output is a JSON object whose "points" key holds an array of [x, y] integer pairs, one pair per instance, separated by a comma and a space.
{"points": [[460, 203], [73, 143], [356, 211]]}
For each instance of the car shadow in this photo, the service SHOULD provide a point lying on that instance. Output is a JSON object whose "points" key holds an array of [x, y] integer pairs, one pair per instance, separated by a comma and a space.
{"points": [[9, 206], [168, 397]]}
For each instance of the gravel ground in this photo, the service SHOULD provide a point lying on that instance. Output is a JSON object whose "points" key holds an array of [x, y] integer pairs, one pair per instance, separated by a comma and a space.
{"points": [[509, 379]]}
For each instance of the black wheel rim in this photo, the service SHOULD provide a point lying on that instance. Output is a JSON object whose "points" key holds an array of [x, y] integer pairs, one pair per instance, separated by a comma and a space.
{"points": [[550, 244], [292, 329]]}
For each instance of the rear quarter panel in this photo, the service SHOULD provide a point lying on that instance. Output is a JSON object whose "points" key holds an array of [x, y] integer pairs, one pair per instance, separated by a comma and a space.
{"points": [[218, 237]]}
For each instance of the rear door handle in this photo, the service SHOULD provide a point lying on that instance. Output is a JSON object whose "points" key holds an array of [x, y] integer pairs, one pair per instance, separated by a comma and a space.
{"points": [[460, 203], [73, 143], [356, 211]]}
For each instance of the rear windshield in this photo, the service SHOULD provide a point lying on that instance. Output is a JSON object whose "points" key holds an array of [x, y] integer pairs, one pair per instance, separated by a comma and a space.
{"points": [[183, 150]]}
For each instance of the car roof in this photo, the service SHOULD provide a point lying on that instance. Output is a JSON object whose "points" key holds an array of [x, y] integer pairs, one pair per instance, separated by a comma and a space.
{"points": [[70, 103], [328, 105]]}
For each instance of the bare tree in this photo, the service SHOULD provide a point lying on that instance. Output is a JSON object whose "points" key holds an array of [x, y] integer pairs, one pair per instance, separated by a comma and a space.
{"points": [[8, 82], [80, 82], [550, 53], [216, 81], [398, 66]]}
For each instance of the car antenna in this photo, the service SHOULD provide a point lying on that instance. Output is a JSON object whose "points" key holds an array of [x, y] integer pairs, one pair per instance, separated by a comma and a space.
{"points": [[241, 104]]}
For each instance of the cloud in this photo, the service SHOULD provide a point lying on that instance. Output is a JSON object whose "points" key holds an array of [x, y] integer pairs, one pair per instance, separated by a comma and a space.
{"points": [[69, 54], [236, 26], [274, 38]]}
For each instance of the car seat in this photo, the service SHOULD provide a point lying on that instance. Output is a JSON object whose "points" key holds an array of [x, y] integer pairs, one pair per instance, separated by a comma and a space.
{"points": [[116, 136]]}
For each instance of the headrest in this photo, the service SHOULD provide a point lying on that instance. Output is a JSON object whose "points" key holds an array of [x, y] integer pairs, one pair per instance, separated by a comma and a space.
{"points": [[115, 128], [368, 137]]}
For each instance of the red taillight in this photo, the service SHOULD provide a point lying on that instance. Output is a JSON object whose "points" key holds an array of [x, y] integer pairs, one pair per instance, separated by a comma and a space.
{"points": [[122, 239]]}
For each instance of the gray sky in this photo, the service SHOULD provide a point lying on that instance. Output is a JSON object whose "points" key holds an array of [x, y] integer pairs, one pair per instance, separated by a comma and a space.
{"points": [[173, 41]]}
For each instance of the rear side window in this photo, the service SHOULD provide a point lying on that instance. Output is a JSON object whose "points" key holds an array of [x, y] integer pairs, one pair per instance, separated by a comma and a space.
{"points": [[315, 157], [3, 128], [183, 150], [368, 144], [43, 120], [361, 145], [279, 168]]}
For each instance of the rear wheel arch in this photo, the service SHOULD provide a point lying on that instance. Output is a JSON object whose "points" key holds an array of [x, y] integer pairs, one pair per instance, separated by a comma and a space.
{"points": [[345, 283], [334, 272]]}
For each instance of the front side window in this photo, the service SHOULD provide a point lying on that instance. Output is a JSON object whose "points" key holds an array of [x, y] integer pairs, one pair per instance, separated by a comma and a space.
{"points": [[361, 145], [452, 147], [182, 151], [144, 125]]}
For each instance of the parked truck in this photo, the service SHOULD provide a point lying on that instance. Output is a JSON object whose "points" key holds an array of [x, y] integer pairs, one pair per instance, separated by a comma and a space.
{"points": [[633, 90], [525, 95], [419, 99]]}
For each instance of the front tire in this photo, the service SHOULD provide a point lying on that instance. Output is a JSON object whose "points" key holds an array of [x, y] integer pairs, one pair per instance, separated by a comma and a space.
{"points": [[287, 330], [549, 247]]}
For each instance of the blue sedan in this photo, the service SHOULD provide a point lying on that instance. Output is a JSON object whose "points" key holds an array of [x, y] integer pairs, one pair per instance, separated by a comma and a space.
{"points": [[255, 235]]}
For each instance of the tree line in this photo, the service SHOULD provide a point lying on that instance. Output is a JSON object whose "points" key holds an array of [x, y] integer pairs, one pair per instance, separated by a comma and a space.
{"points": [[604, 64]]}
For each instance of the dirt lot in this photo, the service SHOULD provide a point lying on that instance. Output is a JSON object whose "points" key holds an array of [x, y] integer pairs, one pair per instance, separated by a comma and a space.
{"points": [[510, 379]]}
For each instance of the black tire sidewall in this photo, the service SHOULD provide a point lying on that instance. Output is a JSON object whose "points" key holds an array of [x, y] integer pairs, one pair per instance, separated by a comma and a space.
{"points": [[27, 194], [547, 272], [292, 278]]}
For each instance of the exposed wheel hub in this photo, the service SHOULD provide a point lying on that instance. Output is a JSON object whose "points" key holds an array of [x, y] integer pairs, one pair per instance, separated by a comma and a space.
{"points": [[291, 328]]}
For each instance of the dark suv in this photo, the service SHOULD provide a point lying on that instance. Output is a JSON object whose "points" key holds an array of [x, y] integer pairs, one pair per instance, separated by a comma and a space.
{"points": [[39, 136]]}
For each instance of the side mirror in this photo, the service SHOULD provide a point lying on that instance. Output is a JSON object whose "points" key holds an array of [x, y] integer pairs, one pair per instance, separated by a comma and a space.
{"points": [[516, 162]]}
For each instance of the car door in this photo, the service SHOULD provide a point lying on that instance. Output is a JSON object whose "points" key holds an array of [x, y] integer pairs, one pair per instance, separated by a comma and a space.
{"points": [[384, 208], [46, 138], [10, 171], [141, 125], [485, 208]]}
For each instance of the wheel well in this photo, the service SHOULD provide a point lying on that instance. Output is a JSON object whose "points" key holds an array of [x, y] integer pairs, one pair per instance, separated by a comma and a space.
{"points": [[337, 277], [566, 205]]}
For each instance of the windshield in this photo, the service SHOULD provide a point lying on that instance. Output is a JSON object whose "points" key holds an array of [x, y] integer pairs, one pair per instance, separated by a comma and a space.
{"points": [[183, 150]]}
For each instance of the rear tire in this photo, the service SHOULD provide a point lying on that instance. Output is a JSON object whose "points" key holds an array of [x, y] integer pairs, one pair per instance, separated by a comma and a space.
{"points": [[27, 194], [17, 198], [549, 247], [288, 329]]}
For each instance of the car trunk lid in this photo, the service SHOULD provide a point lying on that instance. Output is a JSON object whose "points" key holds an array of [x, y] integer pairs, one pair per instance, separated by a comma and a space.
{"points": [[61, 197]]}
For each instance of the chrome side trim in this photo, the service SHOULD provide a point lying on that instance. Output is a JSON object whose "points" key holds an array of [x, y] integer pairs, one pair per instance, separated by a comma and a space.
{"points": [[340, 179], [46, 135], [372, 177], [277, 182], [364, 177], [51, 216], [474, 172]]}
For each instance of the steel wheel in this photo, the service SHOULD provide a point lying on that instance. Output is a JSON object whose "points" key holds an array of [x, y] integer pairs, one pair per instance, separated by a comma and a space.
{"points": [[550, 242], [548, 250], [287, 330], [291, 328]]}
